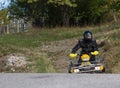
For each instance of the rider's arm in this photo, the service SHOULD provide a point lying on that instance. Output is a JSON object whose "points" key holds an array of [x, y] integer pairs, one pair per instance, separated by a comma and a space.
{"points": [[95, 48], [76, 47]]}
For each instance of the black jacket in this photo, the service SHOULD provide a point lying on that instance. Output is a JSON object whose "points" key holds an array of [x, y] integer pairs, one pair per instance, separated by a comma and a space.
{"points": [[86, 47]]}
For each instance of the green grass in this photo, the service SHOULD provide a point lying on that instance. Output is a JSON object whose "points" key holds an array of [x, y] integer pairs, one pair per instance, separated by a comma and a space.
{"points": [[34, 39], [113, 54], [41, 65]]}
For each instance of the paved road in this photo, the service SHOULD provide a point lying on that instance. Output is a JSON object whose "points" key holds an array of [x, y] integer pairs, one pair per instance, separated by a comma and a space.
{"points": [[36, 80]]}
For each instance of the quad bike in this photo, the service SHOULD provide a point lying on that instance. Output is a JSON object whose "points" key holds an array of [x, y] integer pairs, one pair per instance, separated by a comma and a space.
{"points": [[86, 65]]}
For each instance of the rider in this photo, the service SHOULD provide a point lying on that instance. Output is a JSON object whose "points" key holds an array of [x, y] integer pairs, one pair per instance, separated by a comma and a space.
{"points": [[87, 44]]}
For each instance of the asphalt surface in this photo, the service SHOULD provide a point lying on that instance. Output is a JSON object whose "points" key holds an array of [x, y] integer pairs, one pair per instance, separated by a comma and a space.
{"points": [[54, 80]]}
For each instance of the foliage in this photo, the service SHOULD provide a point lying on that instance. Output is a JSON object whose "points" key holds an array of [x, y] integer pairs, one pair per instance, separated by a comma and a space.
{"points": [[3, 16], [63, 12], [114, 5], [70, 3]]}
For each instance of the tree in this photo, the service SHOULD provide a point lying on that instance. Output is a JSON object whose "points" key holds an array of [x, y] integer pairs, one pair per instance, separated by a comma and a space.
{"points": [[114, 8], [63, 12], [31, 9], [4, 20], [3, 16], [90, 11], [66, 9]]}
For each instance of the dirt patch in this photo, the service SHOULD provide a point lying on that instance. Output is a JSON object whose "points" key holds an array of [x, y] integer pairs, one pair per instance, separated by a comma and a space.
{"points": [[13, 63], [58, 51]]}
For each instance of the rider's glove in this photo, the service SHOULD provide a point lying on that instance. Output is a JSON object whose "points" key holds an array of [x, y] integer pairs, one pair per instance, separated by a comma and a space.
{"points": [[95, 53], [73, 55]]}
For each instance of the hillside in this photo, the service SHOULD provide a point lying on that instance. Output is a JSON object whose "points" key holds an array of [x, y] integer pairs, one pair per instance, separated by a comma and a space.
{"points": [[47, 50], [59, 51]]}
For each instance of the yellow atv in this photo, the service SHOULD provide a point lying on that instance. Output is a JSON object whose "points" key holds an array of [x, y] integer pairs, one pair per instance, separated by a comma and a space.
{"points": [[86, 65]]}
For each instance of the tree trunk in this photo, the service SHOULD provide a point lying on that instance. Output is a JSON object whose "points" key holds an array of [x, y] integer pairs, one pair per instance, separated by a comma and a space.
{"points": [[18, 24], [115, 18], [65, 16], [8, 29]]}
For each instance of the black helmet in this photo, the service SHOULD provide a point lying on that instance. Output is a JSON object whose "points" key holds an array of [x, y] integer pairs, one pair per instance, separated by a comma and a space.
{"points": [[87, 36]]}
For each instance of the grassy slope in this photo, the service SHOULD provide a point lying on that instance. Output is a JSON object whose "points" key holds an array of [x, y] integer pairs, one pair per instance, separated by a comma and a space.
{"points": [[28, 43], [113, 53]]}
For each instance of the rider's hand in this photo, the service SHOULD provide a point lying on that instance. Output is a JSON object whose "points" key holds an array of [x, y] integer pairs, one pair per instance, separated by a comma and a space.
{"points": [[95, 53], [72, 55]]}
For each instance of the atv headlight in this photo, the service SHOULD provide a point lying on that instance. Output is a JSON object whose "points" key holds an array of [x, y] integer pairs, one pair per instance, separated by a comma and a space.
{"points": [[76, 70], [97, 68], [85, 59]]}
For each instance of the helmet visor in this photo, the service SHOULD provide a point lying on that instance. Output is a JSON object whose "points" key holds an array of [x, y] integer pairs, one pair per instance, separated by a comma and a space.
{"points": [[88, 36]]}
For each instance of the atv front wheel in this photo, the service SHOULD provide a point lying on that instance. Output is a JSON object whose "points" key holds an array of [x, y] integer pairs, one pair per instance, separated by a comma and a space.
{"points": [[70, 67]]}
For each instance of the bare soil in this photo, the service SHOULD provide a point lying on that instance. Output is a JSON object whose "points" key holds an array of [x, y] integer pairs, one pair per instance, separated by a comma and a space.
{"points": [[58, 51]]}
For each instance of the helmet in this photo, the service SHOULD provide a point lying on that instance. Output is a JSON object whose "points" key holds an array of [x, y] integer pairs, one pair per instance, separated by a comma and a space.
{"points": [[87, 36]]}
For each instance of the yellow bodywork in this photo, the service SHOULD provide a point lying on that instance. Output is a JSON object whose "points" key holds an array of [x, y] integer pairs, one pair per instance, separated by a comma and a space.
{"points": [[95, 53], [85, 64], [72, 55], [101, 67], [85, 56]]}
